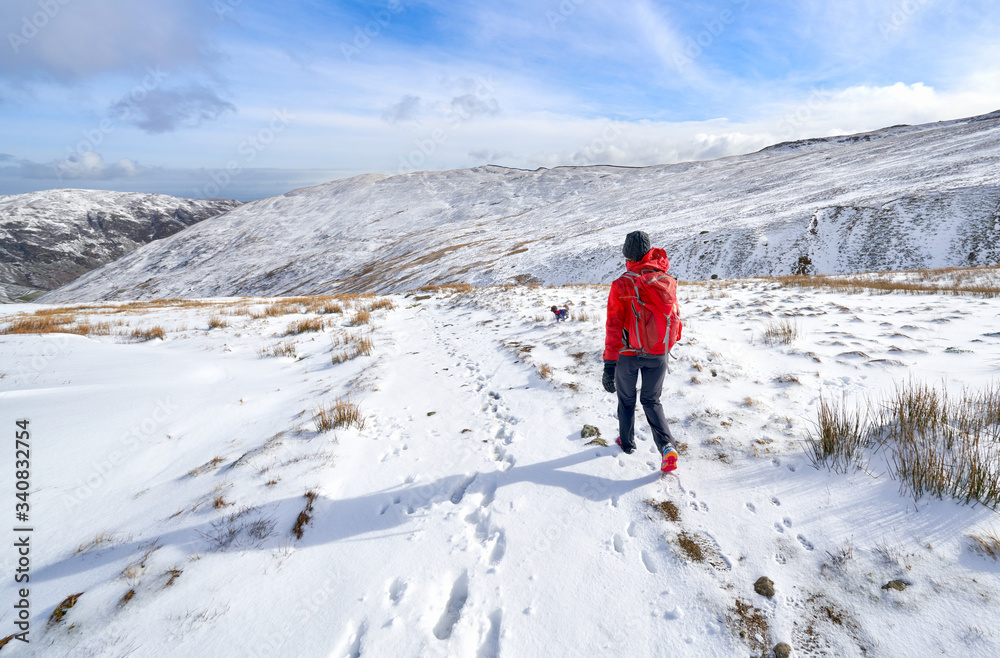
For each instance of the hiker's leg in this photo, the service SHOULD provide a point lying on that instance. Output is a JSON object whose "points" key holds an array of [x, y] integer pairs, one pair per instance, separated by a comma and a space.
{"points": [[654, 370], [626, 374]]}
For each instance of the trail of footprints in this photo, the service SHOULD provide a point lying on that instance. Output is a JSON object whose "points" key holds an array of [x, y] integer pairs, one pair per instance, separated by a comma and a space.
{"points": [[474, 494]]}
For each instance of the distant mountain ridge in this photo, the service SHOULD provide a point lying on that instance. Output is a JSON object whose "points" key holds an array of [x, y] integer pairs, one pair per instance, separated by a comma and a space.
{"points": [[49, 238], [903, 197]]}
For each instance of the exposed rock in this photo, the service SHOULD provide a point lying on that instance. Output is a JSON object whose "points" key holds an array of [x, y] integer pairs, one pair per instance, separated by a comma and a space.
{"points": [[764, 586], [589, 432], [897, 585], [782, 650]]}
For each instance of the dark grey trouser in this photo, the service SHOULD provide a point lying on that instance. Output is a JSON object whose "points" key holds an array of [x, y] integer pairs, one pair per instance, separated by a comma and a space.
{"points": [[653, 369]]}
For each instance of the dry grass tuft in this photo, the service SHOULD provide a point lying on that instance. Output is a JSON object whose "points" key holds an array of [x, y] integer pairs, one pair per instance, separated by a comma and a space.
{"points": [[341, 413], [220, 502], [987, 544], [841, 437], [355, 345], [973, 281], [544, 371], [217, 322], [304, 516], [61, 609], [283, 348], [781, 332], [360, 318], [383, 303], [149, 334], [206, 467], [102, 538], [172, 575], [302, 326], [934, 444]]}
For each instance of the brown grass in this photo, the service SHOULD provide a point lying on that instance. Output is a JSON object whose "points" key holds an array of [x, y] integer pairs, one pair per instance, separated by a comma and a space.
{"points": [[283, 348], [986, 544], [361, 317], [206, 467], [303, 518], [691, 547], [781, 332], [668, 509], [340, 413], [448, 287], [380, 304], [750, 624], [355, 345], [217, 322], [841, 437], [934, 444], [61, 609], [302, 326], [173, 574], [974, 281], [149, 334], [220, 502]]}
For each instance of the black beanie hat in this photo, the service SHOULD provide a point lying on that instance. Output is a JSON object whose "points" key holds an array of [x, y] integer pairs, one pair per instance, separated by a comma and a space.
{"points": [[636, 245]]}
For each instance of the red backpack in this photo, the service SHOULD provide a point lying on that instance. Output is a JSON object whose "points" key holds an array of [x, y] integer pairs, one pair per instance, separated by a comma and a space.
{"points": [[655, 317]]}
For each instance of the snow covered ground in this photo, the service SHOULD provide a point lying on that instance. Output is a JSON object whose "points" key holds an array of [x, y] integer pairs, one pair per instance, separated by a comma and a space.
{"points": [[468, 517]]}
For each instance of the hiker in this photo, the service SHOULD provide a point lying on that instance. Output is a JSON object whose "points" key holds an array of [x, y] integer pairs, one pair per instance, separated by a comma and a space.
{"points": [[560, 313], [643, 323]]}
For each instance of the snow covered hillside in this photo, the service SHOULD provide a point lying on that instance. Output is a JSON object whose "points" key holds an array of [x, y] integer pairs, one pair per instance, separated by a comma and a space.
{"points": [[182, 486], [900, 198], [47, 239]]}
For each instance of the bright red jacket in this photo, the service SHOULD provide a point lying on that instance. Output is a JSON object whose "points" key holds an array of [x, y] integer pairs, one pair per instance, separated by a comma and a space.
{"points": [[615, 342]]}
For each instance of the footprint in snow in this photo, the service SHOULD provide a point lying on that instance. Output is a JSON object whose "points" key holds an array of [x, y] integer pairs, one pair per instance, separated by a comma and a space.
{"points": [[752, 508], [776, 502], [778, 527], [499, 548], [396, 590], [806, 544], [787, 521], [647, 561], [780, 558], [453, 609], [618, 543]]}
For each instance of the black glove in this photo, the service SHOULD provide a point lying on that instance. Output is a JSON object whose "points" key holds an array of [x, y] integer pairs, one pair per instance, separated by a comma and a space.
{"points": [[609, 376]]}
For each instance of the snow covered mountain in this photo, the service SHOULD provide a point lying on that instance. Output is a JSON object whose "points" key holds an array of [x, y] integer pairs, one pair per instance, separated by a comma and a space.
{"points": [[49, 238], [898, 198]]}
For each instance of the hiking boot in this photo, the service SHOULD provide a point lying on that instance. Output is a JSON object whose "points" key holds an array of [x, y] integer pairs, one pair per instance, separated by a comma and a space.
{"points": [[627, 449], [669, 462]]}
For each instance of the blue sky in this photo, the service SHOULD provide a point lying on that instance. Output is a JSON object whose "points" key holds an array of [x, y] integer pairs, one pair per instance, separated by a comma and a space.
{"points": [[247, 99]]}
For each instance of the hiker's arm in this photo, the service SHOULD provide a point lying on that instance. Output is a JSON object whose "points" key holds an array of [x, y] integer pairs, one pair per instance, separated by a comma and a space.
{"points": [[614, 325]]}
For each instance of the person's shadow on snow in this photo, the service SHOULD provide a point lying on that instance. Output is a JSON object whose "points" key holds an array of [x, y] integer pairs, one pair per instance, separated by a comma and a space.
{"points": [[357, 519]]}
